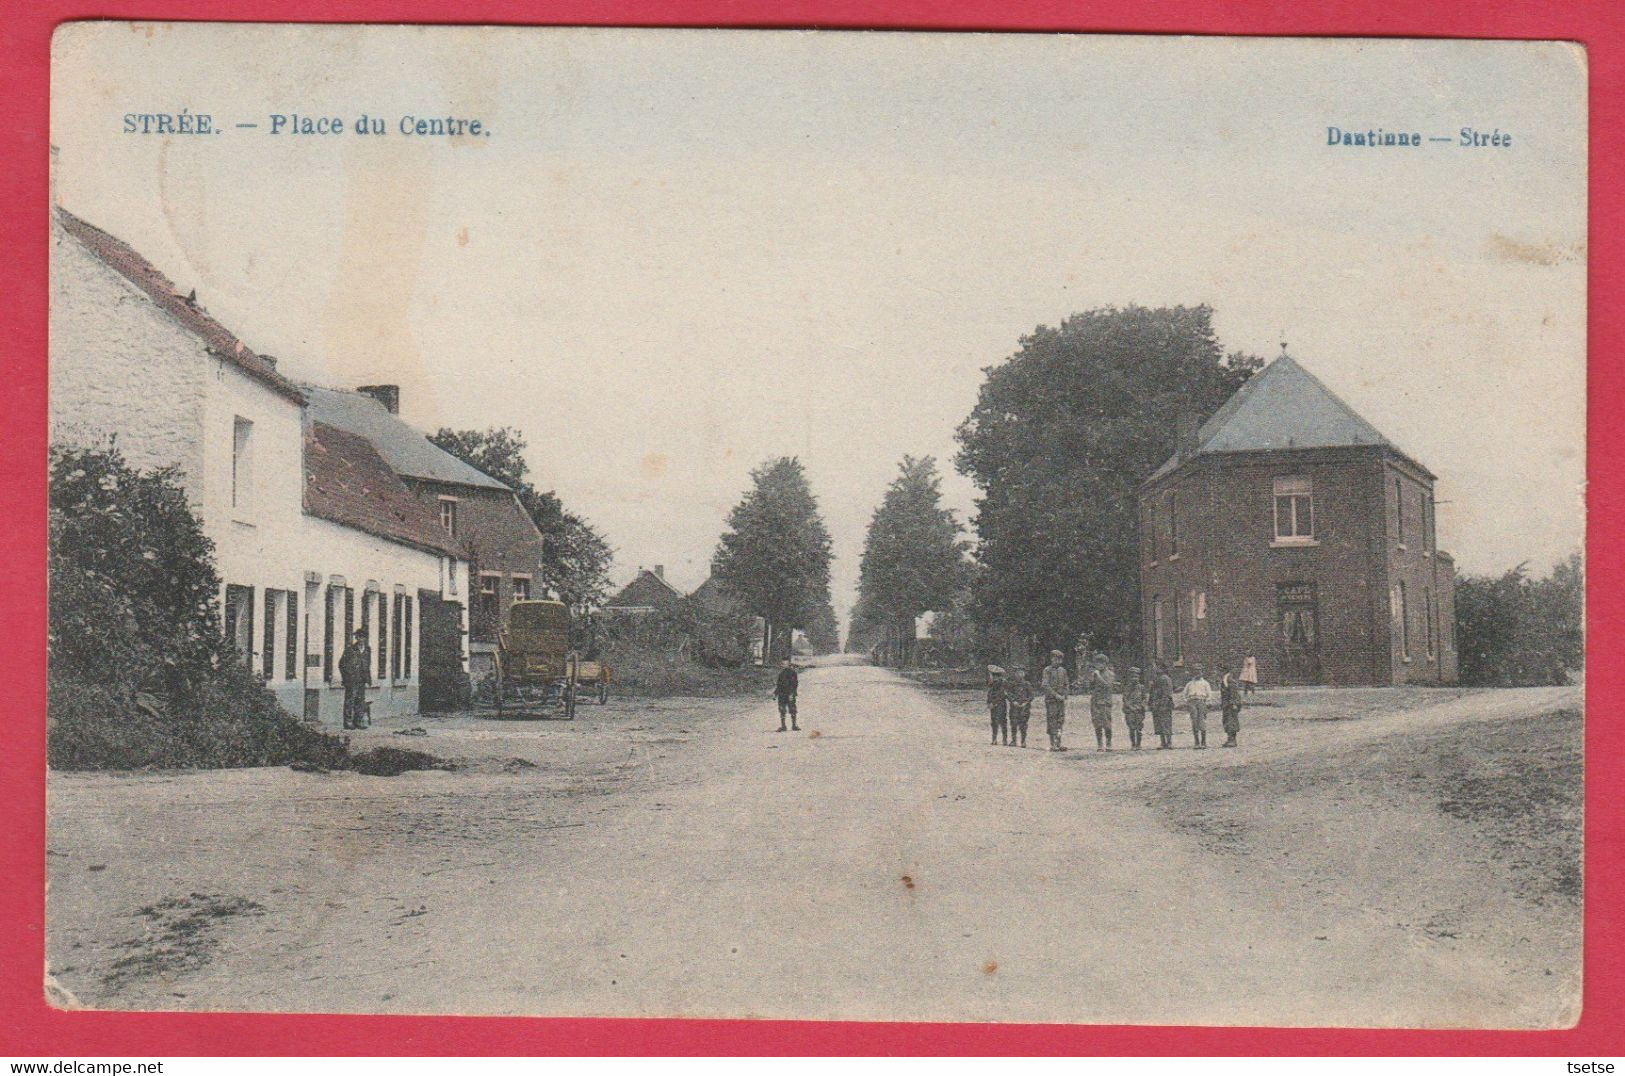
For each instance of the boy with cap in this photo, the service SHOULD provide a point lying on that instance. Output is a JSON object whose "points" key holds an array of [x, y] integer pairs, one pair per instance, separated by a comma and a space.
{"points": [[1101, 682], [1020, 695], [1230, 705], [1056, 688], [1134, 699], [998, 705], [1198, 693], [1162, 706]]}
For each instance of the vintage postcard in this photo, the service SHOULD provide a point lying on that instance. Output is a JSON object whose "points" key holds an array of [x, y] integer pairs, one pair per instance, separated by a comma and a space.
{"points": [[821, 525]]}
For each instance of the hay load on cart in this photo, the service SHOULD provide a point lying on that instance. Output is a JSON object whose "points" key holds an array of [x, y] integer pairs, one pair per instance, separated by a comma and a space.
{"points": [[547, 661]]}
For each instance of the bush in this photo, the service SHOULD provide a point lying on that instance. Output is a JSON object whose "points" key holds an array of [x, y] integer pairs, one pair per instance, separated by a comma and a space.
{"points": [[139, 672], [687, 630], [1515, 631]]}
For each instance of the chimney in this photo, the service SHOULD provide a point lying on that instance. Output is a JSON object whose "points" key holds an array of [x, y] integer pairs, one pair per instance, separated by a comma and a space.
{"points": [[660, 571], [388, 395]]}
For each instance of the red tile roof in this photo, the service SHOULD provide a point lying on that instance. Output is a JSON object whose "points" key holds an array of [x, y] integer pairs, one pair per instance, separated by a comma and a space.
{"points": [[348, 482], [122, 258]]}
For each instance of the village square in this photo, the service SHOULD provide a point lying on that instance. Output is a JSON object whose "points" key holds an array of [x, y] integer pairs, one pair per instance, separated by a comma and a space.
{"points": [[380, 587]]}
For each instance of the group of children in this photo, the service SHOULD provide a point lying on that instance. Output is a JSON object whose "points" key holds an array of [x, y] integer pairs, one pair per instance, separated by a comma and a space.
{"points": [[1010, 702]]}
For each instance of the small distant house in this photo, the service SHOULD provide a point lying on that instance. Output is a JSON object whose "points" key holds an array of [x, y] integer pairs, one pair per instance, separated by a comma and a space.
{"points": [[312, 534], [1288, 529], [648, 592], [714, 598]]}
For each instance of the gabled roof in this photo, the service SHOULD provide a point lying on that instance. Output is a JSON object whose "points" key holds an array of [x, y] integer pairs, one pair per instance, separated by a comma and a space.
{"points": [[1283, 406], [405, 449], [645, 590], [123, 259], [348, 482]]}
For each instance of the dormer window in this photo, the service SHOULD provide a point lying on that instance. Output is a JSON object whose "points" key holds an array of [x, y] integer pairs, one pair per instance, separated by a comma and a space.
{"points": [[1294, 510]]}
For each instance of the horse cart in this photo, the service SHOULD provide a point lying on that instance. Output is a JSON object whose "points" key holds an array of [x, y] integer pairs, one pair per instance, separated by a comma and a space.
{"points": [[546, 662]]}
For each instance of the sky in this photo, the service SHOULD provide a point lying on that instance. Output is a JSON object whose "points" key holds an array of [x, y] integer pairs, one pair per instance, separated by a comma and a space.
{"points": [[674, 255]]}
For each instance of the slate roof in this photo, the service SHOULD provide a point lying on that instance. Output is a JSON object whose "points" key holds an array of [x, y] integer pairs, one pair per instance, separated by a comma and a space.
{"points": [[407, 450], [1283, 406], [222, 342], [348, 482]]}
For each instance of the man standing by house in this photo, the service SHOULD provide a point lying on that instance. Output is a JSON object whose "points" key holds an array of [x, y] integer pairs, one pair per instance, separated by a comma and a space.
{"points": [[1162, 706], [785, 690], [1056, 688], [355, 670], [1102, 680], [1198, 693]]}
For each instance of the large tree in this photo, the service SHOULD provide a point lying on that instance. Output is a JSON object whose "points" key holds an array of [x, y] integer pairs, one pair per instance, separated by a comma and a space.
{"points": [[575, 556], [1062, 436], [775, 555], [914, 556]]}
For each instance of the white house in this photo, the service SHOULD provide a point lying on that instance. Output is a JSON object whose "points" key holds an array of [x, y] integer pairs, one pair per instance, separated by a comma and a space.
{"points": [[311, 532]]}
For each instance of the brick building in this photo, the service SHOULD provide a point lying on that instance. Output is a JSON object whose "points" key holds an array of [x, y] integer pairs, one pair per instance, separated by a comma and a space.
{"points": [[648, 592], [482, 514], [1289, 529]]}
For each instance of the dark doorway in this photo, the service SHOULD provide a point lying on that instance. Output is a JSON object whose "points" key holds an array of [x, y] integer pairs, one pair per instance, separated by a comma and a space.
{"points": [[442, 683], [1298, 617]]}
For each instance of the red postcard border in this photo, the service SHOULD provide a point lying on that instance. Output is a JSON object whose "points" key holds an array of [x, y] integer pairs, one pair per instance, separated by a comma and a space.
{"points": [[28, 1027]]}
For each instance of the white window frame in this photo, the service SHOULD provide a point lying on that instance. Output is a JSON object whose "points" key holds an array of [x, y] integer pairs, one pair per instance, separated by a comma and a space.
{"points": [[242, 469], [1157, 644], [448, 515], [514, 587], [1294, 489]]}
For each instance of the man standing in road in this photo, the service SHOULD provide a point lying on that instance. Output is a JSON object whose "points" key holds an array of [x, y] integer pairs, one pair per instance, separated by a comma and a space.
{"points": [[1134, 708], [1056, 688], [785, 690], [355, 671], [998, 706], [1162, 706], [1020, 694], [1101, 682], [1198, 693]]}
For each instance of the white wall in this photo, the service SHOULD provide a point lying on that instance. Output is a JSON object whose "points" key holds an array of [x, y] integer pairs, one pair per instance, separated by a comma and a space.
{"points": [[120, 365]]}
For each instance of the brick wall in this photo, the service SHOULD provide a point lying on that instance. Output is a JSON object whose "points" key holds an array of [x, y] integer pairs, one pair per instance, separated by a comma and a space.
{"points": [[1229, 558]]}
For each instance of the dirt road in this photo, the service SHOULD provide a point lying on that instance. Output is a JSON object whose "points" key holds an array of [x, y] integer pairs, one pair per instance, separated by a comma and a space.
{"points": [[687, 859]]}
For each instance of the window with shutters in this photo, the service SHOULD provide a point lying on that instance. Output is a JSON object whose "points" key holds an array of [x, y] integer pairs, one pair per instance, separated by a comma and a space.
{"points": [[240, 620], [396, 638], [330, 633], [273, 617], [409, 646]]}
